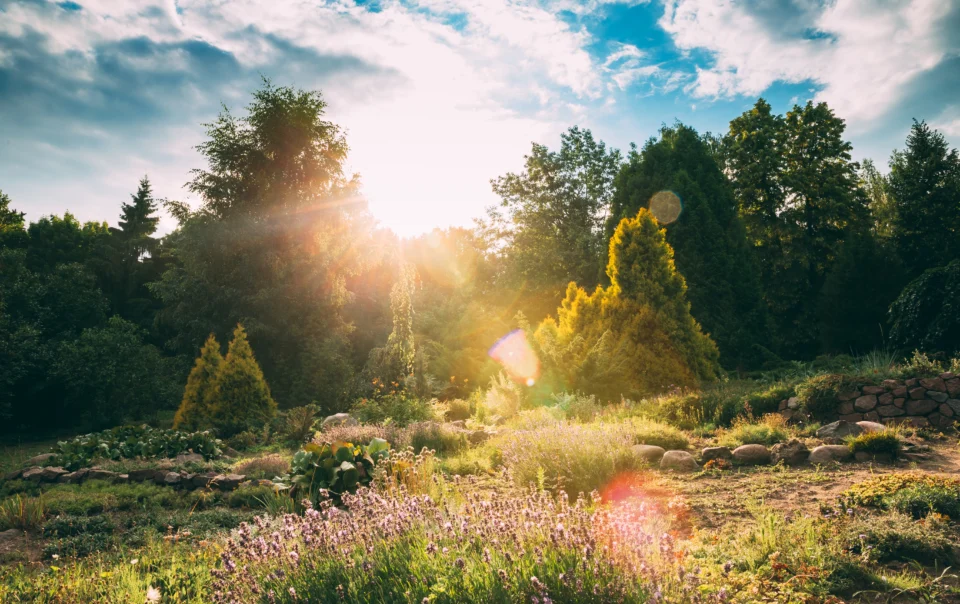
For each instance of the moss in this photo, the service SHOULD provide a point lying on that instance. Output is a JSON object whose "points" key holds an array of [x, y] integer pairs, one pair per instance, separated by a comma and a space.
{"points": [[884, 441]]}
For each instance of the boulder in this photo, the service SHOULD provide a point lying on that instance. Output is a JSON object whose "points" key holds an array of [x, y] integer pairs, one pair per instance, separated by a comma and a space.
{"points": [[839, 429], [916, 421], [890, 384], [648, 453], [946, 410], [873, 389], [954, 404], [121, 479], [52, 474], [200, 481], [940, 397], [15, 474], [828, 453], [848, 396], [953, 387], [792, 453], [460, 423], [751, 455], [890, 411], [793, 403], [171, 479], [865, 402], [934, 384], [98, 474], [871, 426], [900, 392], [947, 375], [939, 421], [851, 418], [146, 474], [340, 419], [228, 482], [921, 407], [75, 477], [872, 416], [479, 436], [715, 453], [900, 402], [9, 534], [34, 474], [40, 460], [912, 382], [917, 393], [885, 399], [189, 458], [680, 461], [845, 408]]}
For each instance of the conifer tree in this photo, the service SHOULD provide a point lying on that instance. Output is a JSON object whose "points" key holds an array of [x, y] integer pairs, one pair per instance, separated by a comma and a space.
{"points": [[636, 336], [138, 221], [196, 408], [243, 400]]}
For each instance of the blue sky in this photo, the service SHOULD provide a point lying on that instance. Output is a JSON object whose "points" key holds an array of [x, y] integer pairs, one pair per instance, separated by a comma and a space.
{"points": [[439, 96]]}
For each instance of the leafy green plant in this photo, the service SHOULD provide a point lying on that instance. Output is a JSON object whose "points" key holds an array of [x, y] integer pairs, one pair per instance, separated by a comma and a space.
{"points": [[577, 406], [242, 441], [884, 441], [331, 469], [437, 437], [458, 409], [398, 408], [126, 442], [921, 500]]}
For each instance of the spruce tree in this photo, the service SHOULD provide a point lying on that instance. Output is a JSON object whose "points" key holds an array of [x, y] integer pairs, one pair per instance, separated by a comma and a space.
{"points": [[243, 400], [708, 238], [138, 221], [196, 408]]}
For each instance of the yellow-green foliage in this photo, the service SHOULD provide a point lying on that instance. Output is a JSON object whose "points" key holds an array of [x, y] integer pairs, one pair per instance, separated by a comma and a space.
{"points": [[636, 336], [873, 492], [196, 408], [242, 395], [770, 430], [884, 441]]}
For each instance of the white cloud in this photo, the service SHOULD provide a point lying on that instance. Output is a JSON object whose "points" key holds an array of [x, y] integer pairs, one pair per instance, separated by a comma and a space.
{"points": [[864, 55], [948, 122]]}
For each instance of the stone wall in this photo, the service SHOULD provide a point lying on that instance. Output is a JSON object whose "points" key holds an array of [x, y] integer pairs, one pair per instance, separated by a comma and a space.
{"points": [[919, 402]]}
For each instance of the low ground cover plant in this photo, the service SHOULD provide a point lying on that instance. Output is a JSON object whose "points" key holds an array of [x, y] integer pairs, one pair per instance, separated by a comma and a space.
{"points": [[884, 442], [914, 493], [769, 430], [128, 442]]}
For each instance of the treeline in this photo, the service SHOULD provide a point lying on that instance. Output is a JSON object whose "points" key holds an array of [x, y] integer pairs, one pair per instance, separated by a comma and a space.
{"points": [[784, 249]]}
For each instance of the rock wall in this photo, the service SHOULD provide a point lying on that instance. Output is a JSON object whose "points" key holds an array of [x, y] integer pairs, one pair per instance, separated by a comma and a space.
{"points": [[919, 402]]}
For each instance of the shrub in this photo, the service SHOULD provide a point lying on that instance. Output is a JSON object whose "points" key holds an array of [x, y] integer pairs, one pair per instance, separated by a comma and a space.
{"points": [[921, 500], [298, 425], [925, 315], [505, 397], [819, 394], [21, 512], [436, 437], [896, 537], [397, 436], [268, 466], [649, 432], [398, 408], [250, 496], [878, 492], [458, 409], [69, 526], [884, 441], [332, 469], [242, 441], [771, 429], [577, 406], [126, 442], [96, 497], [722, 403], [196, 408], [243, 400]]}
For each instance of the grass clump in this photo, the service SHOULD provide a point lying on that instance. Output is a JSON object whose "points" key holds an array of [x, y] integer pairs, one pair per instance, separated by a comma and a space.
{"points": [[913, 493], [22, 512], [268, 466], [96, 497], [650, 432], [818, 394], [722, 403], [398, 408], [437, 437], [771, 429], [884, 441]]}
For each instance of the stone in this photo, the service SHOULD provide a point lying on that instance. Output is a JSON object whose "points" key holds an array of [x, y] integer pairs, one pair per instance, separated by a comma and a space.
{"points": [[479, 436], [753, 455], [890, 411], [649, 453], [66, 478], [954, 404], [793, 403], [885, 399], [782, 405], [912, 382], [460, 423], [98, 474], [839, 429], [498, 420], [171, 479], [921, 407], [76, 477], [189, 458], [228, 482], [934, 384], [828, 453], [953, 387], [939, 421], [846, 408], [792, 453], [865, 402], [918, 393], [900, 392], [871, 416], [900, 402], [940, 397], [9, 534], [715, 453], [873, 389], [52, 474], [39, 460], [340, 419], [848, 396], [142, 475], [200, 481], [890, 384], [680, 461], [917, 422], [852, 417], [231, 453], [34, 474], [15, 474], [871, 426], [121, 479], [947, 375]]}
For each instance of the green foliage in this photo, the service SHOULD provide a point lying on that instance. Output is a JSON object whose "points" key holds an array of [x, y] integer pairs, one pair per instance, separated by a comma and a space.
{"points": [[921, 500], [577, 406], [127, 442], [299, 423], [636, 336], [722, 403], [398, 408], [458, 409], [897, 537], [22, 512], [269, 466], [884, 441], [243, 400], [649, 432], [879, 491], [926, 315], [96, 497], [708, 239], [818, 394], [770, 430], [437, 437], [326, 470], [199, 396]]}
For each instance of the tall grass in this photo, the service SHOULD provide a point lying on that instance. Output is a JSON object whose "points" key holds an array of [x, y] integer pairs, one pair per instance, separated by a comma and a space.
{"points": [[20, 512]]}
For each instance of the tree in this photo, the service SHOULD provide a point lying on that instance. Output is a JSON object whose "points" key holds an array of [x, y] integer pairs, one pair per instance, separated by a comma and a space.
{"points": [[12, 233], [548, 227], [199, 401], [876, 187], [395, 361], [138, 221], [635, 337], [926, 314], [924, 183], [243, 400], [709, 240]]}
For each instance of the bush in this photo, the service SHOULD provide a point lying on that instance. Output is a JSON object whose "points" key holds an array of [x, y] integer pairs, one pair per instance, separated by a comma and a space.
{"points": [[505, 397], [298, 423], [437, 437], [885, 441], [819, 394], [399, 408], [69, 526], [881, 491], [268, 466], [242, 441], [649, 432], [249, 496], [577, 406], [896, 537], [243, 400], [921, 500], [771, 429], [96, 497], [926, 315], [723, 403], [332, 469], [126, 442], [458, 409]]}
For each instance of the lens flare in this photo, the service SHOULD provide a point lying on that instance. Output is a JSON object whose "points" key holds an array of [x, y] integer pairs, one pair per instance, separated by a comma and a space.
{"points": [[514, 352], [666, 206]]}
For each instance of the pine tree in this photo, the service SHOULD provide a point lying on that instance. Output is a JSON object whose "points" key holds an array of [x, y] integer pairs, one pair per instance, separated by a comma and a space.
{"points": [[243, 400], [196, 408], [708, 238], [138, 221], [635, 337]]}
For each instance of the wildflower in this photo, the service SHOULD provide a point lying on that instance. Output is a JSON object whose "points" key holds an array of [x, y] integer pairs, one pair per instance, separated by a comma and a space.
{"points": [[153, 594], [134, 561]]}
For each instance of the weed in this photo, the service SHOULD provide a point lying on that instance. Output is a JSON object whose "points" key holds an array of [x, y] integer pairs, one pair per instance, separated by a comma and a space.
{"points": [[22, 512], [268, 466], [884, 441], [771, 429]]}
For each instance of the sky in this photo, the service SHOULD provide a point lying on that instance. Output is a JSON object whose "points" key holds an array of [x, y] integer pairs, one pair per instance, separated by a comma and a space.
{"points": [[437, 97]]}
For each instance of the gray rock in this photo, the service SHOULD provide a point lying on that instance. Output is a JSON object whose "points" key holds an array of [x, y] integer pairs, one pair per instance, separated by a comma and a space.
{"points": [[460, 423], [947, 375], [890, 384], [9, 534], [871, 416], [340, 419], [40, 460], [940, 397], [917, 393], [827, 453], [792, 453], [900, 392], [189, 458], [200, 481], [873, 389], [921, 407], [793, 403], [680, 461], [953, 387], [15, 474], [890, 411], [865, 402], [122, 479], [648, 453], [848, 396], [480, 436], [871, 426], [144, 475], [885, 399], [52, 474], [228, 482], [752, 455], [98, 474], [954, 404], [845, 408], [715, 453], [171, 479], [934, 384], [839, 429], [34, 474], [946, 410]]}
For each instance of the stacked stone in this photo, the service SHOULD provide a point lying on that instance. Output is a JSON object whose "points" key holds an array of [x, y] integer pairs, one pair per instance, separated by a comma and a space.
{"points": [[183, 480], [920, 402]]}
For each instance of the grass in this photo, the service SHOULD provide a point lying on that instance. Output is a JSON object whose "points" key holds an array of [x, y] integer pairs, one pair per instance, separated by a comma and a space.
{"points": [[885, 442], [770, 430], [22, 512]]}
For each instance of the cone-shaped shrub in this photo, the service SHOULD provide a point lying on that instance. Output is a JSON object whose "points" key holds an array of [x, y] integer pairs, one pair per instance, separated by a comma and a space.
{"points": [[196, 408], [243, 397]]}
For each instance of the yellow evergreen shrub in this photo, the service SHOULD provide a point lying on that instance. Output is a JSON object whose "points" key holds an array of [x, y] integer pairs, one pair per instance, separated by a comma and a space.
{"points": [[196, 408], [243, 400]]}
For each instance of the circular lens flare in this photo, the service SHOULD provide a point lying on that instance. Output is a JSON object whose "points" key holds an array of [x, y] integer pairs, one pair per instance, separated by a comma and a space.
{"points": [[514, 352], [665, 206]]}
